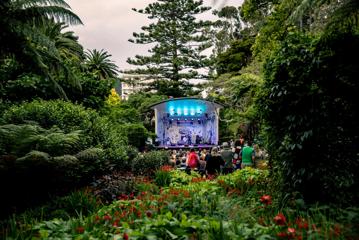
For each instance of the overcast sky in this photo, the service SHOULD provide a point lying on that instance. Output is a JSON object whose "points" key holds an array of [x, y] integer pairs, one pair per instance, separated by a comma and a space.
{"points": [[108, 24]]}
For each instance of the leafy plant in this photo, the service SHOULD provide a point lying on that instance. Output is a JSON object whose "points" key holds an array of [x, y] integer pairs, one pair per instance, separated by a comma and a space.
{"points": [[148, 162]]}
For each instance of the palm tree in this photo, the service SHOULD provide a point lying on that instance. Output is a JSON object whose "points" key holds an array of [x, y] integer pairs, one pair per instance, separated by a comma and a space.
{"points": [[98, 62], [22, 38], [65, 42]]}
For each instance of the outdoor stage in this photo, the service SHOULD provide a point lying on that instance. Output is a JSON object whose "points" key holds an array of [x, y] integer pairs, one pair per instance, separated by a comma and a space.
{"points": [[186, 123], [200, 146]]}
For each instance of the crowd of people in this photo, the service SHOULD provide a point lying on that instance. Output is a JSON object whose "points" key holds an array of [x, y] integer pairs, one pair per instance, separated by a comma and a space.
{"points": [[224, 159]]}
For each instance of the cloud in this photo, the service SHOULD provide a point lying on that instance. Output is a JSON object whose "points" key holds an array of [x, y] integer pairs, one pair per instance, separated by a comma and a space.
{"points": [[109, 24]]}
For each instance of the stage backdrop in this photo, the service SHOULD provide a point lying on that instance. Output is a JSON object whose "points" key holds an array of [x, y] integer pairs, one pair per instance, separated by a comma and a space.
{"points": [[186, 121]]}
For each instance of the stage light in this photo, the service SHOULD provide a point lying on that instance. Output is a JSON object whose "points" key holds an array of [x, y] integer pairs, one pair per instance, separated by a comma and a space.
{"points": [[172, 111], [185, 111], [179, 111], [192, 112], [186, 119]]}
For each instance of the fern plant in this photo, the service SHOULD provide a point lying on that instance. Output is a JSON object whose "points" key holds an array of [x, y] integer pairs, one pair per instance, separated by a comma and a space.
{"points": [[20, 139]]}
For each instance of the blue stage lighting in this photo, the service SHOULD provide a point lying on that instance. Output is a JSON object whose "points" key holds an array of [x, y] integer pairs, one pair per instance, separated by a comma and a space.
{"points": [[185, 111], [179, 111]]}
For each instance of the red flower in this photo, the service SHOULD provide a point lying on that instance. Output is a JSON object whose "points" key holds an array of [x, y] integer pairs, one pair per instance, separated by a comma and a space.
{"points": [[266, 199], [107, 217], [280, 219], [149, 214], [291, 233], [166, 168], [80, 229], [301, 223], [123, 197], [125, 236], [282, 235]]}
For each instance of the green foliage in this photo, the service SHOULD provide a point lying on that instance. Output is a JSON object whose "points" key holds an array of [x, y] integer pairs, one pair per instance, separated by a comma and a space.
{"points": [[179, 41], [20, 139], [310, 106], [98, 62], [97, 131], [56, 146], [227, 27], [23, 25], [162, 178], [200, 210], [136, 134], [247, 179], [237, 56], [148, 162], [110, 187], [240, 93]]}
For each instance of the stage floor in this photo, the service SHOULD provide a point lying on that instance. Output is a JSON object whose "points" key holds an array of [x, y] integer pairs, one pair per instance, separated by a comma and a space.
{"points": [[206, 146]]}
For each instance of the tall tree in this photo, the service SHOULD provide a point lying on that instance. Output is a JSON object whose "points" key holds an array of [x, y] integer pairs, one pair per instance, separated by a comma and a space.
{"points": [[227, 27], [22, 38], [178, 40]]}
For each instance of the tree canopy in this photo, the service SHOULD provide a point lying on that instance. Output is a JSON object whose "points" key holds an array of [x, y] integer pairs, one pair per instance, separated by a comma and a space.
{"points": [[177, 39]]}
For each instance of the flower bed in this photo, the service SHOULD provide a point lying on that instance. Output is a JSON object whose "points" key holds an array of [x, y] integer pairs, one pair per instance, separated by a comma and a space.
{"points": [[191, 207]]}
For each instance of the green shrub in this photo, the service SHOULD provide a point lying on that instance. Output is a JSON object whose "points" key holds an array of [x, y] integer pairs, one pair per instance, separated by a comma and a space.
{"points": [[310, 106], [68, 117], [163, 178], [33, 159], [109, 187], [136, 134], [149, 162], [21, 139], [92, 161], [246, 179]]}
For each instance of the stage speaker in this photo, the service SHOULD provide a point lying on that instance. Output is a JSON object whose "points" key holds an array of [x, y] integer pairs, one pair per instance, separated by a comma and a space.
{"points": [[186, 145], [195, 145]]}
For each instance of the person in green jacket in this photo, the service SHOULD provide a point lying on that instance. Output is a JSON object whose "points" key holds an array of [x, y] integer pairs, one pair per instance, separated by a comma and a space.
{"points": [[248, 155]]}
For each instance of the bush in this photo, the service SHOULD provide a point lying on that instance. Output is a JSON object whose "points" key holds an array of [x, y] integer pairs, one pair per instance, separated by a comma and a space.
{"points": [[149, 162], [68, 117], [21, 139], [92, 161], [58, 146], [109, 187], [136, 134], [310, 105], [162, 178]]}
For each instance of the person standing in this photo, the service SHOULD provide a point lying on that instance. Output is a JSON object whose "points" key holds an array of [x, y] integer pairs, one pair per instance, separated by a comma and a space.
{"points": [[227, 156], [248, 155], [192, 159], [237, 158], [214, 162]]}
